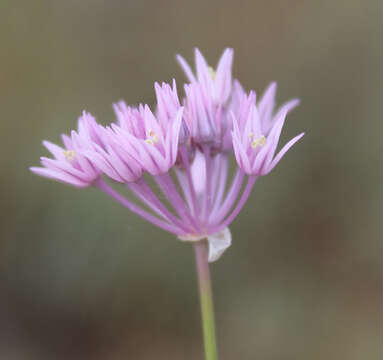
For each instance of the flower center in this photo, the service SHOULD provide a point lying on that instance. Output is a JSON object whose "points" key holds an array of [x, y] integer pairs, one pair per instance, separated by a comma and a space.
{"points": [[153, 138], [69, 154], [257, 142]]}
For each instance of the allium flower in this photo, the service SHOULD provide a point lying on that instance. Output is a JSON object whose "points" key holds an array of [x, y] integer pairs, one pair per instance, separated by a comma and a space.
{"points": [[254, 146], [186, 147], [216, 84], [210, 97], [69, 164]]}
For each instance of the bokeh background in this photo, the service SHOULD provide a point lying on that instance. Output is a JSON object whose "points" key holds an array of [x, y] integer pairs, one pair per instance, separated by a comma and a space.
{"points": [[82, 278]]}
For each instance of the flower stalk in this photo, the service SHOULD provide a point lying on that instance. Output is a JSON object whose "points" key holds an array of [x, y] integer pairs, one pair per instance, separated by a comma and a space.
{"points": [[206, 300]]}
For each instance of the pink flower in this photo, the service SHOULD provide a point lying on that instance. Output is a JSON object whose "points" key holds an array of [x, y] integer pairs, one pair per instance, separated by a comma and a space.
{"points": [[186, 147], [69, 164], [202, 117], [209, 97], [255, 148], [217, 83], [113, 158]]}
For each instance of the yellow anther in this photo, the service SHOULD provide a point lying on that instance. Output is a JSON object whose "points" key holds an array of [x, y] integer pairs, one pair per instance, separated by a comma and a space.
{"points": [[251, 135], [212, 72], [258, 142], [153, 138], [69, 154]]}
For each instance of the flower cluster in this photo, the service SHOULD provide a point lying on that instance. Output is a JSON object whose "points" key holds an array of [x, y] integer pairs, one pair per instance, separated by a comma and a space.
{"points": [[185, 146]]}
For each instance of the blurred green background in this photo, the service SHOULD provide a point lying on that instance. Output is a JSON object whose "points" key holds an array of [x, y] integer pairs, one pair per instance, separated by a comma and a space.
{"points": [[82, 278]]}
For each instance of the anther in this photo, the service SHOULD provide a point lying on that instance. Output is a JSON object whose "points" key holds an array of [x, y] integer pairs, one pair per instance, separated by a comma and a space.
{"points": [[153, 138], [69, 154], [258, 142]]}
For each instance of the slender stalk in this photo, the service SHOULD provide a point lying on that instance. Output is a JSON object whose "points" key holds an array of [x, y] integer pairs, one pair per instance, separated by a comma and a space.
{"points": [[242, 201], [206, 300], [208, 172], [231, 196], [187, 166], [168, 188], [103, 186]]}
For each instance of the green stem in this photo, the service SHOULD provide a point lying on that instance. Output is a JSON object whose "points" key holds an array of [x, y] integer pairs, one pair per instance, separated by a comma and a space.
{"points": [[206, 299]]}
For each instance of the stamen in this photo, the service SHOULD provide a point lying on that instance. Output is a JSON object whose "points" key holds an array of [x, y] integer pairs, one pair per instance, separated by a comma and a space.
{"points": [[212, 72], [153, 138], [69, 154], [251, 135], [258, 142]]}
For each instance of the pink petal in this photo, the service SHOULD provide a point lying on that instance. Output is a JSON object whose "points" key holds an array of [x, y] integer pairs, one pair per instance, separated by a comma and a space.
{"points": [[58, 176], [203, 73], [100, 159], [55, 150], [223, 80], [186, 68], [176, 132], [67, 141], [240, 154], [273, 138], [286, 107], [284, 151], [267, 101], [64, 166]]}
